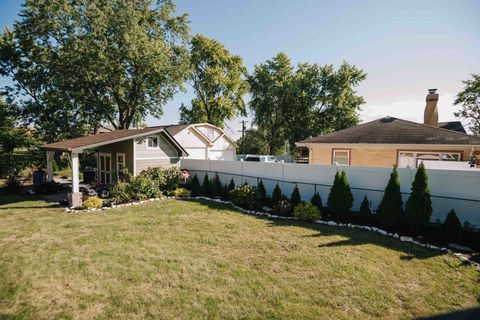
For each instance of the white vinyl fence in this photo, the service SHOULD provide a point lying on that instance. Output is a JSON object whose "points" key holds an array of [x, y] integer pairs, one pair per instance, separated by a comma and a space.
{"points": [[450, 189]]}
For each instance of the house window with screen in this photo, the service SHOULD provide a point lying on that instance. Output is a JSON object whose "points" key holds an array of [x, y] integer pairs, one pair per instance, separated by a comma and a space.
{"points": [[152, 142], [412, 158], [341, 156]]}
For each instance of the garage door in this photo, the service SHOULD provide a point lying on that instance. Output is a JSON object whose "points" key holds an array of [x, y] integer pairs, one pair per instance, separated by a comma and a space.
{"points": [[196, 153], [221, 155]]}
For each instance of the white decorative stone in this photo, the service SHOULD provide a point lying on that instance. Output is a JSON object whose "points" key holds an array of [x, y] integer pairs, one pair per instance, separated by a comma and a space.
{"points": [[396, 236], [382, 232], [367, 228], [331, 223], [406, 239]]}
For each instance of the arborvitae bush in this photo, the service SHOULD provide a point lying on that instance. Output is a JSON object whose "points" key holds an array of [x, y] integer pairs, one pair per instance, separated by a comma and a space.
{"points": [[307, 211], [390, 211], [295, 198], [195, 187], [365, 213], [317, 200], [217, 188], [207, 186], [340, 199], [419, 205], [451, 227], [276, 195], [262, 192]]}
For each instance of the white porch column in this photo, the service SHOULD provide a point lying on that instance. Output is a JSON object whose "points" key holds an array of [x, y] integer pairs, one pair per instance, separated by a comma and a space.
{"points": [[50, 156], [75, 197]]}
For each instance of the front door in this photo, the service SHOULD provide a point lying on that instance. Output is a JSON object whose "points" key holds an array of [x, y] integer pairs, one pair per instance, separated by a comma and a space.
{"points": [[105, 167]]}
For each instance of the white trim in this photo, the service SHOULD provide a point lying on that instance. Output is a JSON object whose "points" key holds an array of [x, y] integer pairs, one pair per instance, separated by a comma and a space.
{"points": [[75, 172], [210, 125], [341, 150], [134, 173], [50, 159]]}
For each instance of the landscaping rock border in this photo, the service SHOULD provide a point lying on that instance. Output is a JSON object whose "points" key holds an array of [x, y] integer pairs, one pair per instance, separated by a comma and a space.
{"points": [[461, 256]]}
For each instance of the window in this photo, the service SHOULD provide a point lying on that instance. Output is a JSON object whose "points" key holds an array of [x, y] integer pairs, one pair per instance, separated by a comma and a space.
{"points": [[210, 134], [121, 163], [412, 159], [152, 142], [341, 157]]}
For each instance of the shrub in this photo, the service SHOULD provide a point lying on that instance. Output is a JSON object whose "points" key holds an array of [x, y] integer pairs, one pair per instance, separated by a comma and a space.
{"points": [[262, 192], [451, 227], [181, 193], [276, 195], [142, 187], [306, 211], [121, 192], [365, 213], [195, 188], [231, 185], [206, 186], [390, 210], [283, 208], [340, 198], [419, 205], [217, 188], [245, 196], [317, 201], [165, 179], [92, 203], [295, 198]]}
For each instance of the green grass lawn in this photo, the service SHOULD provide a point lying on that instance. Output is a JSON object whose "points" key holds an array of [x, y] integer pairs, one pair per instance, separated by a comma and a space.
{"points": [[178, 259]]}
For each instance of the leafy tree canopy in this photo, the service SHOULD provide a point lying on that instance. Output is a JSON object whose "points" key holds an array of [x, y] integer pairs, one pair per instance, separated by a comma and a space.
{"points": [[469, 100], [77, 63], [218, 80]]}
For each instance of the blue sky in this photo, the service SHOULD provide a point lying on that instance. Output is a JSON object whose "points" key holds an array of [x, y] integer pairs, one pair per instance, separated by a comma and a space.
{"points": [[405, 47]]}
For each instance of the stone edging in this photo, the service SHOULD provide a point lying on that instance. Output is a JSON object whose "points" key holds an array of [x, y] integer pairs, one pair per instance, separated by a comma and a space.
{"points": [[272, 216]]}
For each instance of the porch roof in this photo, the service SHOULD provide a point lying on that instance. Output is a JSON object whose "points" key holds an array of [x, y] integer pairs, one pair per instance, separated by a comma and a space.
{"points": [[101, 139]]}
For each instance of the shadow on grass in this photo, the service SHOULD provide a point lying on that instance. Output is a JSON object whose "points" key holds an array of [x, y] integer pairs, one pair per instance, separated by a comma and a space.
{"points": [[353, 237], [16, 201]]}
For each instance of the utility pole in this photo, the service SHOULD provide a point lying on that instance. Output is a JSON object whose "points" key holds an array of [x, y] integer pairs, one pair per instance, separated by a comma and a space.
{"points": [[243, 122]]}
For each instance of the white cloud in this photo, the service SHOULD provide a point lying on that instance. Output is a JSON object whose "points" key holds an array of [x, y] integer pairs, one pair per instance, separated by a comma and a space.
{"points": [[409, 109]]}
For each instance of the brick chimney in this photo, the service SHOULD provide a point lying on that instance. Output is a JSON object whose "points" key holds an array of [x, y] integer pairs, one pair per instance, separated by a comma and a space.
{"points": [[430, 116]]}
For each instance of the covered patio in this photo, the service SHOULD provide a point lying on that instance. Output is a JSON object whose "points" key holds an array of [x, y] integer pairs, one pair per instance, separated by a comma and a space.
{"points": [[116, 154]]}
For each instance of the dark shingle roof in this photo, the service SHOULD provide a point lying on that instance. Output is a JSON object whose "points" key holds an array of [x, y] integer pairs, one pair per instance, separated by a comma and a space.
{"points": [[452, 125], [391, 130]]}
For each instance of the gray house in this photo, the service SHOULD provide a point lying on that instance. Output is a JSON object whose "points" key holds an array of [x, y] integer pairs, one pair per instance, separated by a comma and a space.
{"points": [[117, 152]]}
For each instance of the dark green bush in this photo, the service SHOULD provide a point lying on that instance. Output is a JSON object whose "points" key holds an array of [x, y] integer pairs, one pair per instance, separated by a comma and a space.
{"points": [[262, 192], [451, 227], [142, 187], [246, 197], [276, 195], [231, 185], [390, 211], [365, 213], [317, 201], [195, 187], [306, 211], [340, 199], [419, 205], [217, 188], [207, 186], [295, 198]]}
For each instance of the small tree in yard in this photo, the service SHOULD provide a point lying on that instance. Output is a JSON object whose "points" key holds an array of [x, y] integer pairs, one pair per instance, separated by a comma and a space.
{"points": [[390, 210], [317, 200], [195, 187], [340, 199], [419, 205], [217, 188], [276, 195], [295, 198], [206, 186], [262, 192], [365, 213], [451, 227]]}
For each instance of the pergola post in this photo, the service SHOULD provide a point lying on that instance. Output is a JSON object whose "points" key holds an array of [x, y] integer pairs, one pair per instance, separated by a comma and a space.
{"points": [[50, 156], [75, 198]]}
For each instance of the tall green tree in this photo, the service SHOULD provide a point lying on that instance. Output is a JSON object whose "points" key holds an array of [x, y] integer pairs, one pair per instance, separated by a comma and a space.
{"points": [[254, 142], [390, 211], [418, 208], [218, 80], [78, 63], [469, 101], [270, 87]]}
